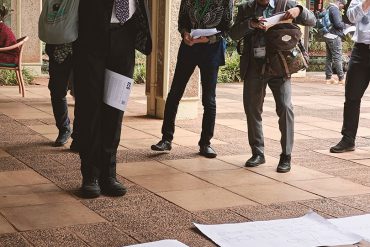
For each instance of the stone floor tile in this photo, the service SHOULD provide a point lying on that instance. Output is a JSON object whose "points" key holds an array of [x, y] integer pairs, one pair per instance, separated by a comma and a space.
{"points": [[5, 227], [49, 216], [203, 199], [239, 160], [144, 168], [199, 164], [102, 235], [3, 153], [13, 240], [274, 211], [296, 173], [138, 143], [170, 182], [190, 141], [25, 177], [365, 162], [358, 154], [226, 178], [331, 187], [331, 207], [10, 163], [361, 202], [54, 238], [44, 129], [220, 216], [21, 197], [272, 193]]}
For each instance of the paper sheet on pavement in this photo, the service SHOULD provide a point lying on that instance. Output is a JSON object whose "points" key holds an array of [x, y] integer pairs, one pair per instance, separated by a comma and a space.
{"points": [[356, 224], [117, 89], [197, 33], [307, 231], [162, 243]]}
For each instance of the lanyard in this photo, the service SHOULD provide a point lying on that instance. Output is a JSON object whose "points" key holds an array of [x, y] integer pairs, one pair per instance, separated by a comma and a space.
{"points": [[202, 10]]}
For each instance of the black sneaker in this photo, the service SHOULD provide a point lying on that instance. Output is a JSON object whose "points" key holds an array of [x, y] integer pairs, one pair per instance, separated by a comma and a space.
{"points": [[255, 160], [342, 146], [207, 151], [284, 163], [111, 187], [62, 138], [90, 188], [162, 145]]}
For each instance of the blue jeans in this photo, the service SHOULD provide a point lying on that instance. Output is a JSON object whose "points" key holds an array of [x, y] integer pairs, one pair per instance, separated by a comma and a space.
{"points": [[58, 85], [334, 58]]}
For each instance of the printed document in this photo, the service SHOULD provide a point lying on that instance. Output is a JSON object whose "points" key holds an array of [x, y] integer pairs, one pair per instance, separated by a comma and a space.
{"points": [[275, 19], [117, 89], [307, 231], [162, 243], [197, 33]]}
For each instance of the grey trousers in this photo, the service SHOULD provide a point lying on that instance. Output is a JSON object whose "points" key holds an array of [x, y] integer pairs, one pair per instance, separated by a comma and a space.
{"points": [[334, 58], [253, 96]]}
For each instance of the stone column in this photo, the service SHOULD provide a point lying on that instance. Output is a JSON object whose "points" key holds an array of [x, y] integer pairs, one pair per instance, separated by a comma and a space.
{"points": [[25, 23], [161, 64]]}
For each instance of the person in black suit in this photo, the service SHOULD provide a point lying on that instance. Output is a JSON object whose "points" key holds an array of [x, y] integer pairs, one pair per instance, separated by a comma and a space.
{"points": [[109, 33]]}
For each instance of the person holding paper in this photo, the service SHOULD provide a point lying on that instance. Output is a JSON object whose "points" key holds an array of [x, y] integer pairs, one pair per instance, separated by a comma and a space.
{"points": [[358, 75], [208, 53], [109, 33], [333, 41], [249, 27]]}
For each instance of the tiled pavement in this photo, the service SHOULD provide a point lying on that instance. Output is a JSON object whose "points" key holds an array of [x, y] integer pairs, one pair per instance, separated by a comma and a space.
{"points": [[167, 192]]}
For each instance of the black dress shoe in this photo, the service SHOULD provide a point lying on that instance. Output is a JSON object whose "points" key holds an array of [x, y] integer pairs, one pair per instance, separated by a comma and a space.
{"points": [[342, 146], [75, 147], [111, 187], [62, 138], [255, 160], [90, 188], [162, 145], [207, 151], [284, 163]]}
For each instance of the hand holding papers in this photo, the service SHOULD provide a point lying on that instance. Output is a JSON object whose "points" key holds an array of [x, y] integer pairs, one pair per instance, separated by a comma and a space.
{"points": [[279, 18], [117, 89], [197, 33]]}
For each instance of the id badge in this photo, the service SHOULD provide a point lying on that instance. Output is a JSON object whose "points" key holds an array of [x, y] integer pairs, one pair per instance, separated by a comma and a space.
{"points": [[259, 52]]}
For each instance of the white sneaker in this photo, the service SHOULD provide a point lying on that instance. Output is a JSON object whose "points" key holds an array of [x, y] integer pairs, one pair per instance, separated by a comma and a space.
{"points": [[331, 81]]}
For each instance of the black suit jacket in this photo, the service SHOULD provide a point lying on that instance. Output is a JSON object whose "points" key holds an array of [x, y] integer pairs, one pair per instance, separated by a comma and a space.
{"points": [[94, 22]]}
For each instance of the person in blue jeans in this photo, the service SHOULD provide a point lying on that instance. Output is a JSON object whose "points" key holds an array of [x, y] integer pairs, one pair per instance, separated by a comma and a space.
{"points": [[208, 53], [60, 71], [358, 75], [333, 41]]}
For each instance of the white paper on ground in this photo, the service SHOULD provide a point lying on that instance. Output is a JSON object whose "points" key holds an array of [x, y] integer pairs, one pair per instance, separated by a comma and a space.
{"points": [[197, 33], [162, 243], [307, 231], [359, 225], [117, 89]]}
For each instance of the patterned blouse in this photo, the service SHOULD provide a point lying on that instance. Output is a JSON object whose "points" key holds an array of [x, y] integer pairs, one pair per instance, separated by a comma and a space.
{"points": [[205, 14]]}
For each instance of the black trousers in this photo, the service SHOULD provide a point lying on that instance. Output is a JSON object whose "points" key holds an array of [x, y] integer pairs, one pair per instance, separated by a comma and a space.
{"points": [[58, 85], [100, 124], [357, 81], [187, 60]]}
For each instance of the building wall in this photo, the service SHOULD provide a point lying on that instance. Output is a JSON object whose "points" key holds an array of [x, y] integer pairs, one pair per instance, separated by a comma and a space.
{"points": [[24, 22]]}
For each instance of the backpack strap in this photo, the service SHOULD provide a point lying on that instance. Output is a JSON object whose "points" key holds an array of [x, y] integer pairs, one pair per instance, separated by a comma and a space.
{"points": [[280, 6]]}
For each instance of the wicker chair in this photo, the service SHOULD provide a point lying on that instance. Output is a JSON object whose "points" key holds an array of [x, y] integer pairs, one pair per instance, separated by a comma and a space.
{"points": [[16, 67]]}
